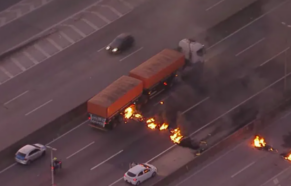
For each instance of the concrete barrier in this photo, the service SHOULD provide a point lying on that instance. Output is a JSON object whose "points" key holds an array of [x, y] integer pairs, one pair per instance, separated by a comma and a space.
{"points": [[234, 138], [47, 133]]}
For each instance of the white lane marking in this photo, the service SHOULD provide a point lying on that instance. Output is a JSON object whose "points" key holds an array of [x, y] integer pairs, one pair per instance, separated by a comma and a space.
{"points": [[30, 57], [216, 4], [90, 24], [276, 181], [251, 46], [118, 180], [101, 49], [209, 164], [267, 61], [80, 150], [100, 16], [38, 107], [67, 37], [61, 136], [127, 4], [286, 115], [52, 42], [283, 171], [16, 97], [131, 54], [106, 160], [243, 169], [250, 23], [17, 63], [7, 168], [195, 105], [76, 30], [113, 10], [41, 50], [6, 72], [2, 20]]}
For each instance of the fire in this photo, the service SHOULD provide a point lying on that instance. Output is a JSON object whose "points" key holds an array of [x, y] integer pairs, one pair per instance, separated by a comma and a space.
{"points": [[164, 126], [288, 157], [259, 142], [129, 112], [138, 116], [151, 123], [176, 136]]}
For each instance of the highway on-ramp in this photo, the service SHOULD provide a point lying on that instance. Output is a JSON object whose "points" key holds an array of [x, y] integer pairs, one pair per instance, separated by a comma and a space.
{"points": [[245, 165], [71, 77]]}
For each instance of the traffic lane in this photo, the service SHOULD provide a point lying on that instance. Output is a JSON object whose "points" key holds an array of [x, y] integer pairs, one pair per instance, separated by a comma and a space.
{"points": [[68, 151], [282, 178], [38, 21], [105, 35], [138, 151]]}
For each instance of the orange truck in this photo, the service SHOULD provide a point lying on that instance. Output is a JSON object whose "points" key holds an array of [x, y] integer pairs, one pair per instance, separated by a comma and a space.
{"points": [[107, 108]]}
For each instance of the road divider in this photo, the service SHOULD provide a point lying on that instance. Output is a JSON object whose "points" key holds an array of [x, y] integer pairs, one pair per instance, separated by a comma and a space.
{"points": [[234, 138]]}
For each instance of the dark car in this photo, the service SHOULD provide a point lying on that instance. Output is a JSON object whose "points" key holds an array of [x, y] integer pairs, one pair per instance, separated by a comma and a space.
{"points": [[120, 43]]}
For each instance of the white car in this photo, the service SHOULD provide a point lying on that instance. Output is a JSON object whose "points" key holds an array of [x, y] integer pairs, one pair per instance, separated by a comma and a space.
{"points": [[139, 173], [29, 153]]}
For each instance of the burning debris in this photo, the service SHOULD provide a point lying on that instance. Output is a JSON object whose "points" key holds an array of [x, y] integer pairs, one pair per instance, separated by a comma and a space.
{"points": [[176, 136], [259, 142], [131, 113], [288, 157]]}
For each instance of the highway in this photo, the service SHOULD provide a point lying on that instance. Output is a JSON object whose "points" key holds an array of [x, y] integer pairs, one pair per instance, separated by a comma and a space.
{"points": [[244, 165], [54, 91]]}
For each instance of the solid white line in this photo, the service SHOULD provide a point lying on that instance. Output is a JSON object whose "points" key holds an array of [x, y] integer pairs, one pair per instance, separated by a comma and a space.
{"points": [[100, 16], [195, 105], [16, 62], [30, 57], [250, 47], [41, 50], [6, 72], [131, 54], [276, 176], [286, 115], [267, 61], [52, 42], [106, 160], [214, 5], [208, 165], [90, 24], [243, 169], [253, 21], [9, 167], [80, 150], [67, 37], [38, 107], [16, 97], [112, 9]]}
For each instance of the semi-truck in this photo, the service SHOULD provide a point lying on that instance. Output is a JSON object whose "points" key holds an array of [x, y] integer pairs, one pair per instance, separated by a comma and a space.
{"points": [[108, 108]]}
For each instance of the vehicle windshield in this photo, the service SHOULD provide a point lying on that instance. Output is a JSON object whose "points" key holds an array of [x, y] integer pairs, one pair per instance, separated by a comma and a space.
{"points": [[19, 154], [130, 174], [117, 42]]}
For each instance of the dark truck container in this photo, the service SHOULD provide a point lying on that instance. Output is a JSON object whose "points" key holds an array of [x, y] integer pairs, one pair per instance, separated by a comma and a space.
{"points": [[158, 72], [106, 108]]}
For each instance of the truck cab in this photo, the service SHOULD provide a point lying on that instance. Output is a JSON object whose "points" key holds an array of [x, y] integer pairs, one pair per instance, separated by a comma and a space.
{"points": [[192, 50]]}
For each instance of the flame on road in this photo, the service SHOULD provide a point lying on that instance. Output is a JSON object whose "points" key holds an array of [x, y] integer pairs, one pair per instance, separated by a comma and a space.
{"points": [[259, 142], [164, 126], [288, 157], [151, 123], [129, 112], [176, 136]]}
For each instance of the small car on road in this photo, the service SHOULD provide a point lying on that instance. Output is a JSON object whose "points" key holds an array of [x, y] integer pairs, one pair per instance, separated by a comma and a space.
{"points": [[140, 173], [120, 43], [29, 153]]}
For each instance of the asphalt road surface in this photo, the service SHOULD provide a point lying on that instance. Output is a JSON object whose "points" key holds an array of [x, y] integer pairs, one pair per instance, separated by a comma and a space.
{"points": [[54, 90], [244, 165]]}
